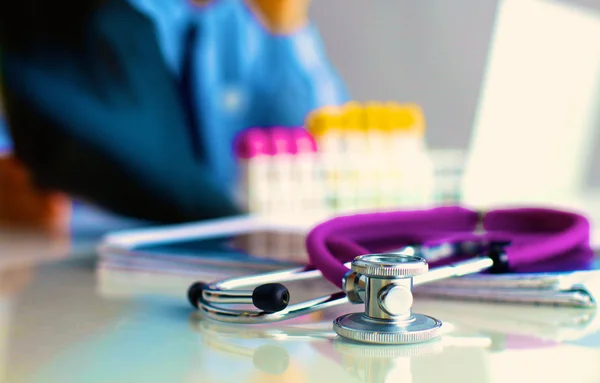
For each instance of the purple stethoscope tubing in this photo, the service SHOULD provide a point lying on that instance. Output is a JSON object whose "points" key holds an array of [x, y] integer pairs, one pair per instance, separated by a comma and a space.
{"points": [[533, 234]]}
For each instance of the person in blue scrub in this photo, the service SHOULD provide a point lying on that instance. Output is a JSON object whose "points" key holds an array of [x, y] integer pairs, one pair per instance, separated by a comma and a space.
{"points": [[134, 104]]}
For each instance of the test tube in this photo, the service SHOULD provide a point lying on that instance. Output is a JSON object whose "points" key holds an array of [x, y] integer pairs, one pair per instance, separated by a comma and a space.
{"points": [[281, 181], [252, 152], [355, 164], [308, 174], [379, 123], [448, 167], [324, 126], [378, 153]]}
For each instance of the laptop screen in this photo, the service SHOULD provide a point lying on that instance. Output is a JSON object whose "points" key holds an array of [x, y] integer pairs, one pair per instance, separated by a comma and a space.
{"points": [[537, 117]]}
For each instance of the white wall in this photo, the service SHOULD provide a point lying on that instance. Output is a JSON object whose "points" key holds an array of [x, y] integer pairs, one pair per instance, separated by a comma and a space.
{"points": [[428, 51]]}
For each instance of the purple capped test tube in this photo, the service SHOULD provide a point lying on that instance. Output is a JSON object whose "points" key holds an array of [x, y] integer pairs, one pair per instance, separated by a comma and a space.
{"points": [[252, 150]]}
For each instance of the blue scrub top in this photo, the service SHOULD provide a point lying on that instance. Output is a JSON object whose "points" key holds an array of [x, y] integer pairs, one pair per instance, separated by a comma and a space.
{"points": [[238, 75]]}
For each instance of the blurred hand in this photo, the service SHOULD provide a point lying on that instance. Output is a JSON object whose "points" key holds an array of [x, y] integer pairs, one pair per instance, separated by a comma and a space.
{"points": [[281, 16], [23, 205]]}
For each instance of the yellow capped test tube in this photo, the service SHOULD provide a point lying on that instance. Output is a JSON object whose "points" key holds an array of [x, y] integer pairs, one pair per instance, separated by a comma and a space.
{"points": [[374, 159], [374, 113], [384, 155], [353, 131], [354, 155], [325, 125], [353, 116], [408, 119], [371, 153], [417, 119], [399, 123]]}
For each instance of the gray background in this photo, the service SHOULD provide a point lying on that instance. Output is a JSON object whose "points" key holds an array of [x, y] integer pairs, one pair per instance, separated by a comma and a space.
{"points": [[432, 52]]}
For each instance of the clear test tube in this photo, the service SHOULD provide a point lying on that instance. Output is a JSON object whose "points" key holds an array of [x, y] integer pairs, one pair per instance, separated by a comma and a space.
{"points": [[308, 177], [402, 146], [281, 183], [448, 169], [282, 192], [352, 190], [382, 157], [325, 126], [392, 178], [378, 161], [252, 152]]}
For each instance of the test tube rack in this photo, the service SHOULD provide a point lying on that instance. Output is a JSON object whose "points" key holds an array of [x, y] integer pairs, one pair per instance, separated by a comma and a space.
{"points": [[345, 159]]}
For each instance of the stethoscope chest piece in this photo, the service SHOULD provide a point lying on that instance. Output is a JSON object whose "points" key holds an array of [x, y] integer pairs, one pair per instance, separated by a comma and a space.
{"points": [[388, 316]]}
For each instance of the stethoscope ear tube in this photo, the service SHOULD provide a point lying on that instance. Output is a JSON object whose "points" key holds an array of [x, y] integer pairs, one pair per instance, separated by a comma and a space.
{"points": [[268, 297], [525, 235], [341, 239], [539, 235]]}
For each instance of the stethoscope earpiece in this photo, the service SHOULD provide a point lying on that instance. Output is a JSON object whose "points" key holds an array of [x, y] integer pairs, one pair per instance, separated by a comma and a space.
{"points": [[271, 297], [194, 293]]}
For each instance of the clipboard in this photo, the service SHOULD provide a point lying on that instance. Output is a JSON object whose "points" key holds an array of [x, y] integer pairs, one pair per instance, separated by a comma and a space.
{"points": [[243, 242], [572, 280], [165, 260]]}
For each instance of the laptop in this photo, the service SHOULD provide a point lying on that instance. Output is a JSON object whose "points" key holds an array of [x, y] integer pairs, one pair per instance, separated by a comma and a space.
{"points": [[539, 108]]}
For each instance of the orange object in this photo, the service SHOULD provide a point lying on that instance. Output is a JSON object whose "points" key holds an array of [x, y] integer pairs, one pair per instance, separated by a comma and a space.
{"points": [[22, 204], [281, 16]]}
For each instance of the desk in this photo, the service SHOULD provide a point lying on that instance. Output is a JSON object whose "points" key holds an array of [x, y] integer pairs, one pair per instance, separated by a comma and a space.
{"points": [[57, 324]]}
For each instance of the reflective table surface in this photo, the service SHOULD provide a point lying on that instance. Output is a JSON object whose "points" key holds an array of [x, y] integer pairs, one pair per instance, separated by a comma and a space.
{"points": [[63, 321]]}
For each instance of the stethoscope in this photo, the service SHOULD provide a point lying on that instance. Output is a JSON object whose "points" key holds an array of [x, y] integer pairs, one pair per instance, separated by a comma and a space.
{"points": [[377, 259]]}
